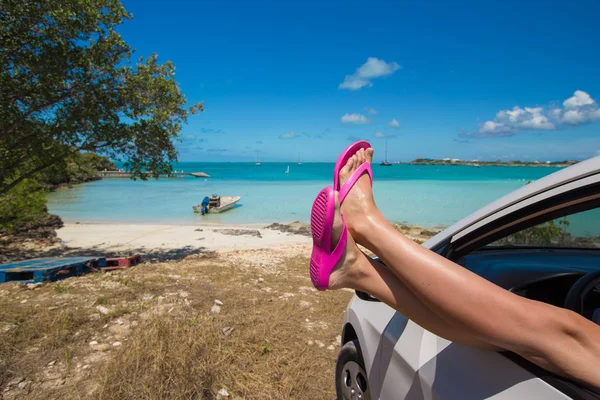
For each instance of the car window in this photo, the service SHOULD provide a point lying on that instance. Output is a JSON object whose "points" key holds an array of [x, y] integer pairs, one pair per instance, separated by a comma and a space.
{"points": [[579, 230]]}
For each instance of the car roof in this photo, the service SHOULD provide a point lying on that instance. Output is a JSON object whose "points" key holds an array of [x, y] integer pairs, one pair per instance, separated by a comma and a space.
{"points": [[559, 178]]}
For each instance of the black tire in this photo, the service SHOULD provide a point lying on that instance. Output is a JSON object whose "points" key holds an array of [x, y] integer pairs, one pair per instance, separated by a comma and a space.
{"points": [[350, 373]]}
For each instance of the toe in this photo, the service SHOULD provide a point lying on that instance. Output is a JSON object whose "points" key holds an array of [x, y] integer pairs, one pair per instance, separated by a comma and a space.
{"points": [[362, 156], [369, 154], [344, 173], [354, 160]]}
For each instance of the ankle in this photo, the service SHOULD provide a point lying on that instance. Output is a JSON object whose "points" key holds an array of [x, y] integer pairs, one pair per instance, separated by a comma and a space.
{"points": [[366, 230]]}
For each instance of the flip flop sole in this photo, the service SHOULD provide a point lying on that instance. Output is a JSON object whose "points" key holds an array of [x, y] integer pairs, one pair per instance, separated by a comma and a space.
{"points": [[321, 222]]}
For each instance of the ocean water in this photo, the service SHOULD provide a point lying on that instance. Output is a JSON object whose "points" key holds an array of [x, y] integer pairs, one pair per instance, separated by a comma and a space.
{"points": [[422, 195]]}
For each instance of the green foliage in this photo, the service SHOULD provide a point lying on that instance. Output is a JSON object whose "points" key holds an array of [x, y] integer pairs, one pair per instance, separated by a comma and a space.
{"points": [[22, 205], [549, 234], [67, 85]]}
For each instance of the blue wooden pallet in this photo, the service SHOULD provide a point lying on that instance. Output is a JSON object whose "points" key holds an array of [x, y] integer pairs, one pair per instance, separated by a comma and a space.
{"points": [[48, 269]]}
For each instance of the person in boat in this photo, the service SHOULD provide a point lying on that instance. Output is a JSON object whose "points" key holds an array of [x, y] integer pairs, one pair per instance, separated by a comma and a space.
{"points": [[435, 292], [204, 208]]}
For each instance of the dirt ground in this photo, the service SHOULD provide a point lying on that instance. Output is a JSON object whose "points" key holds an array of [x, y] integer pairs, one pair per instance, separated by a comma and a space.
{"points": [[246, 322]]}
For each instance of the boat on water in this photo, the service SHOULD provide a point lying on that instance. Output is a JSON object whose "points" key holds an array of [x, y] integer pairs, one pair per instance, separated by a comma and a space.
{"points": [[299, 162], [216, 204], [257, 163], [287, 171], [200, 175], [386, 163]]}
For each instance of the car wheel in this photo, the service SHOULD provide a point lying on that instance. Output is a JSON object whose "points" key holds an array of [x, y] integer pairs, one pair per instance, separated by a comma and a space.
{"points": [[350, 376]]}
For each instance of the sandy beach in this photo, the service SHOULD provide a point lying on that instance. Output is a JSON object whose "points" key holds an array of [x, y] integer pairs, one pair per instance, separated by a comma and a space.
{"points": [[136, 237]]}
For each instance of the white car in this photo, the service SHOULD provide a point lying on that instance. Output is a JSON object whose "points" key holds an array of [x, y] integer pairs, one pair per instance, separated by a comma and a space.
{"points": [[542, 242]]}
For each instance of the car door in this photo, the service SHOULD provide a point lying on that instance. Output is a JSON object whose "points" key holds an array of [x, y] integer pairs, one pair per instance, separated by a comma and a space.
{"points": [[416, 364], [425, 366]]}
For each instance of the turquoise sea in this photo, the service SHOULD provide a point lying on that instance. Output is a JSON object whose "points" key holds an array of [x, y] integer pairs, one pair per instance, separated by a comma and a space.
{"points": [[422, 195]]}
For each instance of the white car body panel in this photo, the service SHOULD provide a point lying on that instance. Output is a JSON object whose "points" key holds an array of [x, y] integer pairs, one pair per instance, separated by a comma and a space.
{"points": [[404, 361]]}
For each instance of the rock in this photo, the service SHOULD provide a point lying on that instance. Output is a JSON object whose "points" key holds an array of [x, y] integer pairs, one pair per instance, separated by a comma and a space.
{"points": [[32, 286], [51, 363], [240, 232], [215, 309], [218, 302], [52, 308], [338, 340], [93, 343], [23, 301], [304, 303], [331, 347], [147, 264], [222, 394], [23, 385], [134, 324], [120, 322], [320, 344], [5, 326], [102, 310], [86, 366], [102, 347], [260, 280], [15, 381], [117, 344], [310, 343], [147, 297], [227, 330], [174, 276]]}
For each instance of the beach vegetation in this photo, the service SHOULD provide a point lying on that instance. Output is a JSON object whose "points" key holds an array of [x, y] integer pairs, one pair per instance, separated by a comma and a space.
{"points": [[68, 84]]}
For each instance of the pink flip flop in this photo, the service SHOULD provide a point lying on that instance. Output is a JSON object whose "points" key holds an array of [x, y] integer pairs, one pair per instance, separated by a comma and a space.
{"points": [[324, 259], [342, 160]]}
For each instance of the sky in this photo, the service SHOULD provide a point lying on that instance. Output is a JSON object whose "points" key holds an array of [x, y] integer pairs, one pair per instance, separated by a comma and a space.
{"points": [[280, 80]]}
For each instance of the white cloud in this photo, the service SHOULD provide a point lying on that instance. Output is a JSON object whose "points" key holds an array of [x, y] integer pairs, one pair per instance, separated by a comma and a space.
{"points": [[393, 123], [379, 135], [578, 109], [371, 111], [525, 118], [288, 135], [355, 119], [579, 99], [372, 69]]}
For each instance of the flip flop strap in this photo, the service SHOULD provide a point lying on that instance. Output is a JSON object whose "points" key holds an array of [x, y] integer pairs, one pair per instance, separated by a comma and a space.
{"points": [[338, 252], [354, 178]]}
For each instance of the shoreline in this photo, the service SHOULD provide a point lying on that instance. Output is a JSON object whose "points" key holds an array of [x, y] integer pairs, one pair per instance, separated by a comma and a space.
{"points": [[123, 237], [120, 237]]}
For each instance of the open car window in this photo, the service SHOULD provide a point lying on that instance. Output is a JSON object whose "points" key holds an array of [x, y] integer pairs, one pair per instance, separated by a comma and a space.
{"points": [[578, 230]]}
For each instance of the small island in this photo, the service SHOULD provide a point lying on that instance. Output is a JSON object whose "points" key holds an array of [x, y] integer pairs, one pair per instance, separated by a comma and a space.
{"points": [[497, 163]]}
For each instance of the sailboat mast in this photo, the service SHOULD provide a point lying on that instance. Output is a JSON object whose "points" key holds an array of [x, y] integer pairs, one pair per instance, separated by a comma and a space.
{"points": [[386, 149]]}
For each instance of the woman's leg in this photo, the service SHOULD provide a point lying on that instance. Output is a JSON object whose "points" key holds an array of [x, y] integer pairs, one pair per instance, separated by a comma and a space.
{"points": [[360, 272], [554, 338]]}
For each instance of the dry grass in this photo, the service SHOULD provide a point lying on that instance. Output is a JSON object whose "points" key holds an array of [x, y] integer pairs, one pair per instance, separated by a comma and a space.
{"points": [[172, 346]]}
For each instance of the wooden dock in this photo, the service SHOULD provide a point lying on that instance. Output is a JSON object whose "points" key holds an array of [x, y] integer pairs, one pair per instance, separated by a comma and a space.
{"points": [[126, 174]]}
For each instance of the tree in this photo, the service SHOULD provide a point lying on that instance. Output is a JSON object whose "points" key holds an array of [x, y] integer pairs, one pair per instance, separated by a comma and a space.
{"points": [[67, 85]]}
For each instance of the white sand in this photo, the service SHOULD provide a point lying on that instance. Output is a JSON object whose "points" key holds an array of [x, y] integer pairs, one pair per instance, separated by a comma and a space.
{"points": [[123, 237]]}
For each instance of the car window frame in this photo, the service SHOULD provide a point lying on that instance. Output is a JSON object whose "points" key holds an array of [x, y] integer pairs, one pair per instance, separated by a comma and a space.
{"points": [[581, 195]]}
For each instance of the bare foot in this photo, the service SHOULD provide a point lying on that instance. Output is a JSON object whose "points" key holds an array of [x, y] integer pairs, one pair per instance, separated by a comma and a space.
{"points": [[348, 269], [359, 207]]}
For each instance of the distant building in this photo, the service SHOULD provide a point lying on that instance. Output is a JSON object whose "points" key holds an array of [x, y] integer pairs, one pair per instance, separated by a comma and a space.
{"points": [[445, 159], [454, 160]]}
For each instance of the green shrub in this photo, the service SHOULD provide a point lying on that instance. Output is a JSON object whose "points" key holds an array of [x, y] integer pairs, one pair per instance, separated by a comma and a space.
{"points": [[22, 205]]}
